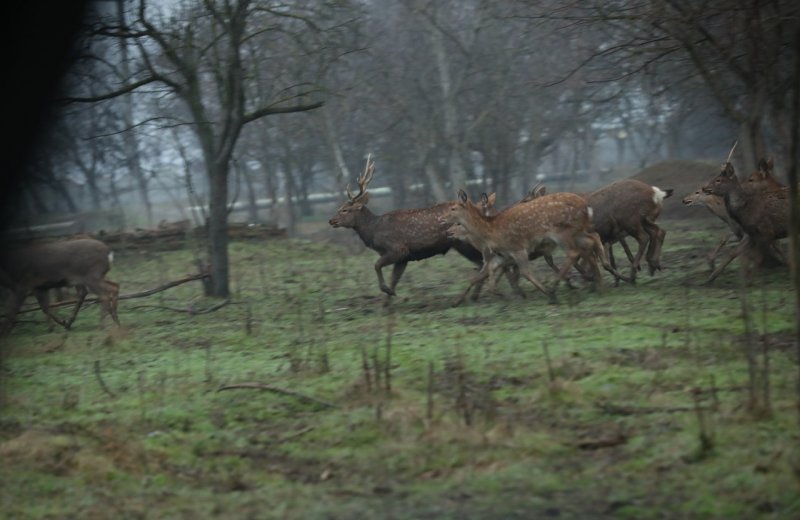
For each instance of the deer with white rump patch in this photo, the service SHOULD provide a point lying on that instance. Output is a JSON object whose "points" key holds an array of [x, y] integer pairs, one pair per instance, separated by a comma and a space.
{"points": [[630, 208], [81, 263]]}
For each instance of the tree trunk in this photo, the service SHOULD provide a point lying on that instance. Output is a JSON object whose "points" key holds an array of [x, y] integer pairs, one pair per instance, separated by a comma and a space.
{"points": [[252, 204], [794, 206], [435, 183], [218, 232], [457, 170], [130, 142]]}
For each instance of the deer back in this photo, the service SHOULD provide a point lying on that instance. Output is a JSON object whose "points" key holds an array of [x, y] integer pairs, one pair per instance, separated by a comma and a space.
{"points": [[57, 264], [620, 207], [555, 216]]}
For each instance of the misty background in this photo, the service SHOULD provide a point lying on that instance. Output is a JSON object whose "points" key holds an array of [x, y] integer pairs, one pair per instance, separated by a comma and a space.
{"points": [[263, 112]]}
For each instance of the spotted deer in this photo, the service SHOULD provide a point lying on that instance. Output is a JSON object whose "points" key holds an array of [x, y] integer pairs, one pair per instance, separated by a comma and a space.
{"points": [[539, 225], [82, 264]]}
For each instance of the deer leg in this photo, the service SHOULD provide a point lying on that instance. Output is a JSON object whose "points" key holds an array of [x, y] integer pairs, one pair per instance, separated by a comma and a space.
{"points": [[521, 260], [631, 259], [712, 256], [512, 273], [641, 238], [573, 254], [656, 243], [779, 254], [113, 300], [745, 242], [382, 262], [478, 279], [625, 247], [16, 299], [108, 294], [82, 292], [397, 273], [602, 253], [591, 247], [43, 297]]}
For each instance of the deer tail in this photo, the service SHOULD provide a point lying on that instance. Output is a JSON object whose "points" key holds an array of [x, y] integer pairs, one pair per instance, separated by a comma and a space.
{"points": [[659, 195]]}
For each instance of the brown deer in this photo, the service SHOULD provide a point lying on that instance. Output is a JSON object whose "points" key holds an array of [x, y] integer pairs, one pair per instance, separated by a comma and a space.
{"points": [[716, 205], [630, 208], [539, 225], [762, 215], [82, 264], [399, 236], [763, 179]]}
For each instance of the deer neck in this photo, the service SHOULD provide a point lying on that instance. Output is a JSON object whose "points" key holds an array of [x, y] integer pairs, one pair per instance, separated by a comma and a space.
{"points": [[481, 227], [365, 226], [736, 200]]}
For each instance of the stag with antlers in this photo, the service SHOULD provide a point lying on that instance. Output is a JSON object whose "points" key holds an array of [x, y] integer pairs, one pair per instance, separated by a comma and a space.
{"points": [[399, 236]]}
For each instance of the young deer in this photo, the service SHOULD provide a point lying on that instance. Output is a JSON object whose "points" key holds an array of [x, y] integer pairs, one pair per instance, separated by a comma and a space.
{"points": [[762, 215], [630, 208], [536, 226], [398, 236], [763, 179], [81, 263]]}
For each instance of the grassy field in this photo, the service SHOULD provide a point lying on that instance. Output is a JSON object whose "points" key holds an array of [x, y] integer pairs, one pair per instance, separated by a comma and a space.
{"points": [[627, 403]]}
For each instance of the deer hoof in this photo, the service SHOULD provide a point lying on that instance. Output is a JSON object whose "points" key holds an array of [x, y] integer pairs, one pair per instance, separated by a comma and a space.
{"points": [[388, 291]]}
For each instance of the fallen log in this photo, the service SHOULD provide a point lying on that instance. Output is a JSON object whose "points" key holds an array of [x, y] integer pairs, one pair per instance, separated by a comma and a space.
{"points": [[270, 388], [141, 294]]}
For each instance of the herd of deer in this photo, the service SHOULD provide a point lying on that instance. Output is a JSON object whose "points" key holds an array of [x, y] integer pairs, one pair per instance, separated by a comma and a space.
{"points": [[584, 226]]}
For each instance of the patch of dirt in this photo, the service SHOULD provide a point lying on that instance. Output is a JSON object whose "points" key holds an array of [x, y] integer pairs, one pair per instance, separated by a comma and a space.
{"points": [[683, 176], [649, 358], [62, 454]]}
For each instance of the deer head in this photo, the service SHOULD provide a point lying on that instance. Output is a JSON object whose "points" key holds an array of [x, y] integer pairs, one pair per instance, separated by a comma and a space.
{"points": [[537, 191], [725, 181], [763, 178], [487, 204], [463, 209], [347, 214]]}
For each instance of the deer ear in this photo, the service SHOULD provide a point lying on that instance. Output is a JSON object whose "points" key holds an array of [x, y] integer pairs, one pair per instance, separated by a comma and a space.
{"points": [[364, 199], [762, 165], [492, 198], [728, 170], [769, 164], [484, 198], [462, 195]]}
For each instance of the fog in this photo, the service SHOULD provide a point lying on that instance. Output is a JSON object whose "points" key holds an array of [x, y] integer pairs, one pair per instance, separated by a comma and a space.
{"points": [[444, 94]]}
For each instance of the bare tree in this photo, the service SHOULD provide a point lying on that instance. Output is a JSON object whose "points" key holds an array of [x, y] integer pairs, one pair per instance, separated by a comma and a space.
{"points": [[198, 55]]}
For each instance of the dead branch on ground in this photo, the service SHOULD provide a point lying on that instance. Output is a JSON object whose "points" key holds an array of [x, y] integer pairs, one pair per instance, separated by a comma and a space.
{"points": [[269, 388]]}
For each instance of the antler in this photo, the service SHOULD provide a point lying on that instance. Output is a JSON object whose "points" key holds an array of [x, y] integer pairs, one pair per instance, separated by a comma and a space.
{"points": [[730, 155], [364, 179]]}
